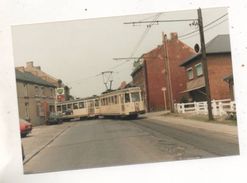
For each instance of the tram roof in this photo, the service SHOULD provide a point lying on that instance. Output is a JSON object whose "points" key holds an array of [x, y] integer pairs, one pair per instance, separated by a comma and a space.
{"points": [[77, 100], [120, 91]]}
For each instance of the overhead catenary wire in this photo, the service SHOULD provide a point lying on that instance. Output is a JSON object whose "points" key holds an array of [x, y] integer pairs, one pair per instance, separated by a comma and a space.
{"points": [[155, 21], [144, 34], [209, 28], [184, 36], [197, 30]]}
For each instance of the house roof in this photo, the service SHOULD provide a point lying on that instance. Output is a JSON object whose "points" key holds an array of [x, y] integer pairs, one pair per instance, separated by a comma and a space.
{"points": [[220, 44], [30, 78], [136, 69]]}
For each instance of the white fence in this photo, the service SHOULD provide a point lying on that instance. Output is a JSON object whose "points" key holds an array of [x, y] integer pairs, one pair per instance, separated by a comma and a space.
{"points": [[219, 107]]}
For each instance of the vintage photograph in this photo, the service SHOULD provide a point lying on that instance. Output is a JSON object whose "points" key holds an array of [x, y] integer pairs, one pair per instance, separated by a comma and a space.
{"points": [[125, 90]]}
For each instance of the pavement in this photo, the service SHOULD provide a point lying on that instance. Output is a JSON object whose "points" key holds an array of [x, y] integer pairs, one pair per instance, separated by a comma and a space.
{"points": [[164, 117], [42, 136]]}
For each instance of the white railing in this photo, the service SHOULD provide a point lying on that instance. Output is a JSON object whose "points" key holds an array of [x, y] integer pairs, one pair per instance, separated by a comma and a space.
{"points": [[219, 107]]}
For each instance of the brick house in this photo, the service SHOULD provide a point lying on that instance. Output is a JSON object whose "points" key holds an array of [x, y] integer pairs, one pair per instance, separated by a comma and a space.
{"points": [[159, 74], [219, 65], [36, 71], [36, 97]]}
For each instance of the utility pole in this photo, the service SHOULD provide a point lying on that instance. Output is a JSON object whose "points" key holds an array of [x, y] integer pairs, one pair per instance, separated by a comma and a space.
{"points": [[204, 64], [167, 73], [203, 51]]}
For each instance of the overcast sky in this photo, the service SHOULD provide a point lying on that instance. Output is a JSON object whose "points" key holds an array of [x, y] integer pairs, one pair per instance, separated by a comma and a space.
{"points": [[78, 51]]}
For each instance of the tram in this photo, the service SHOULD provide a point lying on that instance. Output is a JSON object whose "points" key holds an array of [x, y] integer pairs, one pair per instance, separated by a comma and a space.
{"points": [[126, 102], [79, 108]]}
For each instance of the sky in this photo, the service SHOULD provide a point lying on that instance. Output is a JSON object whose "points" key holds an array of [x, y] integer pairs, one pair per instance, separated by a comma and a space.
{"points": [[78, 51]]}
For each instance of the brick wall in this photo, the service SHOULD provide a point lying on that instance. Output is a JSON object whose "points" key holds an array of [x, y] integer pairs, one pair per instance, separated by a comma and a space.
{"points": [[157, 71], [219, 66], [155, 79], [177, 53]]}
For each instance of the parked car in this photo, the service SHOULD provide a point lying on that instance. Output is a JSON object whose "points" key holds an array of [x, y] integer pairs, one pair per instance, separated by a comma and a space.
{"points": [[54, 118], [25, 127]]}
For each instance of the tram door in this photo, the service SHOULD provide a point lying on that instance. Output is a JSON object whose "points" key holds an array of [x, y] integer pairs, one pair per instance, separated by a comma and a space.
{"points": [[122, 102], [91, 109]]}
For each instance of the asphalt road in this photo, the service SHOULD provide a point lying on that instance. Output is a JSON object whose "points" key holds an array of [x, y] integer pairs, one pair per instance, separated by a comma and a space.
{"points": [[104, 142]]}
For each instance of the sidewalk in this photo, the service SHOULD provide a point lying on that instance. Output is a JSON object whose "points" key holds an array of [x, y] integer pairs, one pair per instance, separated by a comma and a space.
{"points": [[40, 137], [214, 127]]}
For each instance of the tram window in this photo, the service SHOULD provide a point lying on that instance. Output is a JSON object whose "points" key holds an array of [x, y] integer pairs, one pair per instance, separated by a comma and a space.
{"points": [[127, 98], [81, 105], [59, 108], [75, 105], [69, 106], [96, 103], [135, 96], [142, 96], [115, 99], [106, 101], [63, 108], [112, 100]]}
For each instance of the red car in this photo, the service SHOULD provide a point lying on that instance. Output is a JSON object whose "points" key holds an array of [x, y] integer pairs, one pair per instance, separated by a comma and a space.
{"points": [[25, 127]]}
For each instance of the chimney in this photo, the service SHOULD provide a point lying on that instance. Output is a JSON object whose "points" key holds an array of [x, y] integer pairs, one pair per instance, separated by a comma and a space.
{"points": [[174, 36], [38, 67], [29, 64]]}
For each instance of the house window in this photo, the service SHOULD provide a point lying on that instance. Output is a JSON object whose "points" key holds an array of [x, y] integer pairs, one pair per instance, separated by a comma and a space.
{"points": [[36, 91], [25, 88], [190, 73], [42, 91], [199, 70], [52, 92], [26, 111], [39, 109]]}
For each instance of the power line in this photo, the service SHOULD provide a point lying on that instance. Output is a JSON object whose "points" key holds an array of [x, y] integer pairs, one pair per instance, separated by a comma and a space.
{"points": [[187, 34], [144, 34], [205, 29], [160, 21]]}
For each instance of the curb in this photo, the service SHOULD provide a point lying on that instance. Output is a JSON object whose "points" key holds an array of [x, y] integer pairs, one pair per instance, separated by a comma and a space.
{"points": [[27, 159]]}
